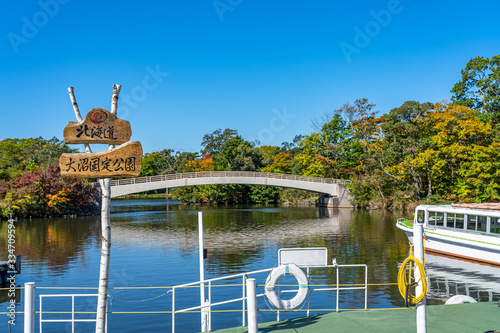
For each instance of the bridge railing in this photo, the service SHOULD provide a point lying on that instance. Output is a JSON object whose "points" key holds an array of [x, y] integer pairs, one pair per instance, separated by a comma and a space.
{"points": [[173, 176]]}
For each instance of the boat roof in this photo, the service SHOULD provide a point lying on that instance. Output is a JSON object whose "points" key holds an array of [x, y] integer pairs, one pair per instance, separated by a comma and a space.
{"points": [[486, 205], [465, 208]]}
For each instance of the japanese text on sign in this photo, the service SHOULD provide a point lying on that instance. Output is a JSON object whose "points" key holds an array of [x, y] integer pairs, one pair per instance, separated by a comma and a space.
{"points": [[95, 132], [98, 164]]}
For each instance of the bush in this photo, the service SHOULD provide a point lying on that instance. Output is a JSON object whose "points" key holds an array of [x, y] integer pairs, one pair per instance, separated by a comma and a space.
{"points": [[45, 193]]}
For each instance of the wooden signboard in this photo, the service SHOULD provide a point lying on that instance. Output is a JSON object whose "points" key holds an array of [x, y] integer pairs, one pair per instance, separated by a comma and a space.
{"points": [[98, 126], [123, 161]]}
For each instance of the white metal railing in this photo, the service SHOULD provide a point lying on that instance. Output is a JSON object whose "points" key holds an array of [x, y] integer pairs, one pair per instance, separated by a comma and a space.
{"points": [[73, 320], [209, 305], [173, 176]]}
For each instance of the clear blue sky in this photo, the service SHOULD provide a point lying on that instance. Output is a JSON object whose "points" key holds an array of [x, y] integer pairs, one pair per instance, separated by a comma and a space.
{"points": [[264, 68]]}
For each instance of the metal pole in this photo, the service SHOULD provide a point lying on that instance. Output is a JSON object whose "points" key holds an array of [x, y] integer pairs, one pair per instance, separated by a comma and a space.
{"points": [[418, 245], [29, 307], [204, 315], [252, 306], [173, 310]]}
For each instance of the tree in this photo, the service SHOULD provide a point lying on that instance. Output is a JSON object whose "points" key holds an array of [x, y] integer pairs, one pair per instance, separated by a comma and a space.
{"points": [[463, 155], [182, 160], [479, 87], [405, 138], [20, 155], [215, 141], [230, 151], [280, 163], [361, 120], [158, 163], [312, 147], [292, 147]]}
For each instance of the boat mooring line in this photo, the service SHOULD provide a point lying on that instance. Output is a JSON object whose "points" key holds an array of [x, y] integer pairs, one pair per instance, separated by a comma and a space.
{"points": [[138, 301]]}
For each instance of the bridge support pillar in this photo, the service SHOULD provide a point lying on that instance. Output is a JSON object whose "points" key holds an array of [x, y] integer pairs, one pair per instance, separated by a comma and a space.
{"points": [[328, 201], [343, 200]]}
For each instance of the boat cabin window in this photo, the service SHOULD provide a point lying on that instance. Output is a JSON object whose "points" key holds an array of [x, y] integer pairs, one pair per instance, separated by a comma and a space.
{"points": [[420, 216], [482, 222], [472, 222], [476, 222], [495, 225], [436, 219], [455, 221]]}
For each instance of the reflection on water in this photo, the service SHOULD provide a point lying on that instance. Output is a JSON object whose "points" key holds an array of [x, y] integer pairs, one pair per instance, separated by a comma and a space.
{"points": [[155, 243], [51, 243], [450, 276]]}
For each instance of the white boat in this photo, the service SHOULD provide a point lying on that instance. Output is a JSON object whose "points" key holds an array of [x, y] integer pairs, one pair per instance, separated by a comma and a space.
{"points": [[470, 231]]}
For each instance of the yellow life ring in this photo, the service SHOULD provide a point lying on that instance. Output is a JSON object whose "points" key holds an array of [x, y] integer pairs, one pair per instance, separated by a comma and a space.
{"points": [[271, 293]]}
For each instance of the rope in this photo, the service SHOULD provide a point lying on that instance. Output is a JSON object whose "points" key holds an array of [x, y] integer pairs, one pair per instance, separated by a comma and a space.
{"points": [[140, 300], [404, 283]]}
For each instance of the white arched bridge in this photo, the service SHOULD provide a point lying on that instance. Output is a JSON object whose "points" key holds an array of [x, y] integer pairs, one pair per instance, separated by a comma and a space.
{"points": [[334, 191]]}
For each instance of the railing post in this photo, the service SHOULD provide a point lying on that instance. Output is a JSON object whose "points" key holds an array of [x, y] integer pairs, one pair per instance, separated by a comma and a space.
{"points": [[252, 306], [173, 310], [418, 243], [203, 303], [29, 307]]}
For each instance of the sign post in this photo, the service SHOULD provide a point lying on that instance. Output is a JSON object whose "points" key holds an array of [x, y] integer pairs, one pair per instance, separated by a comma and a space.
{"points": [[102, 127]]}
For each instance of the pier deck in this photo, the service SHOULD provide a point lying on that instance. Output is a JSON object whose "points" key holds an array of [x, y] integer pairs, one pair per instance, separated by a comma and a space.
{"points": [[469, 317]]}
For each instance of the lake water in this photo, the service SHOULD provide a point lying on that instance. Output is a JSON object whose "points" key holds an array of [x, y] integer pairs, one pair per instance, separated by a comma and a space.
{"points": [[155, 244]]}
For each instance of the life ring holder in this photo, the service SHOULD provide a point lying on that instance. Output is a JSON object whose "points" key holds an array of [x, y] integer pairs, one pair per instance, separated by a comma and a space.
{"points": [[271, 292]]}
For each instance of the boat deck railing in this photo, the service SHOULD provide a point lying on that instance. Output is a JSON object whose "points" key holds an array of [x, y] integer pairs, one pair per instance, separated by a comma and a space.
{"points": [[209, 308]]}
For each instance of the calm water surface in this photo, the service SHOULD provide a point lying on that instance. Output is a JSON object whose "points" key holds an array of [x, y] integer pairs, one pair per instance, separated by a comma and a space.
{"points": [[155, 244]]}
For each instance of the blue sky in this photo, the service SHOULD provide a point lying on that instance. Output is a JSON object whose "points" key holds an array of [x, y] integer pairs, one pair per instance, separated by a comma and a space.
{"points": [[264, 68]]}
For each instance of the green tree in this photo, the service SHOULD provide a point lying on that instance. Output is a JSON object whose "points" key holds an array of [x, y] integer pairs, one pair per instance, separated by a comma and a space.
{"points": [[158, 163], [310, 158], [405, 138], [361, 119], [230, 151], [182, 160], [479, 87], [20, 155], [333, 151]]}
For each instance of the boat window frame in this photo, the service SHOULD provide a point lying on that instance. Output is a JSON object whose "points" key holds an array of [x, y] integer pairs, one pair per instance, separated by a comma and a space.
{"points": [[464, 219], [469, 220], [486, 224], [423, 218], [435, 214], [491, 224]]}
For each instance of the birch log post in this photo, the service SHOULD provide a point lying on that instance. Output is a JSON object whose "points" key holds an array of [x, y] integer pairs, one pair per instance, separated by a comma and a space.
{"points": [[105, 220], [77, 113], [102, 298], [106, 235]]}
